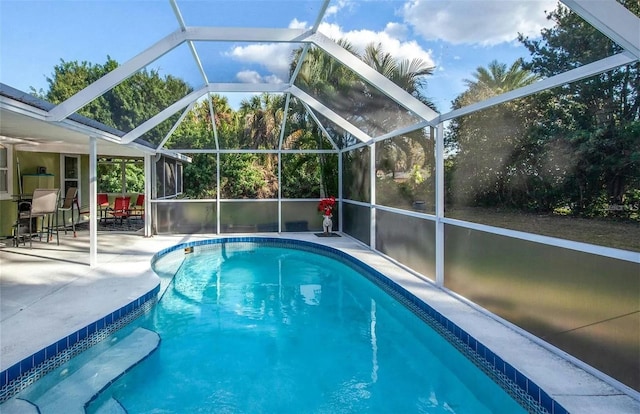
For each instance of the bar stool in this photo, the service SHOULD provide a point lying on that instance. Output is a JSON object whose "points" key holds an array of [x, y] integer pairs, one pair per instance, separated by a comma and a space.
{"points": [[44, 205], [70, 199]]}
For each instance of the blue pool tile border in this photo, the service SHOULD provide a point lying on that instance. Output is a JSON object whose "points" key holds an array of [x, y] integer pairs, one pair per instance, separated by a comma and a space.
{"points": [[525, 391], [24, 373]]}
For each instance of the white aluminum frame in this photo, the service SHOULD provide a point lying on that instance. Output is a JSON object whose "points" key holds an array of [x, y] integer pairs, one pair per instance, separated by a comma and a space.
{"points": [[608, 16]]}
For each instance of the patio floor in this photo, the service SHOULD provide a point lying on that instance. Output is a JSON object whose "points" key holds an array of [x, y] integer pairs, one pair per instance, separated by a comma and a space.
{"points": [[50, 291]]}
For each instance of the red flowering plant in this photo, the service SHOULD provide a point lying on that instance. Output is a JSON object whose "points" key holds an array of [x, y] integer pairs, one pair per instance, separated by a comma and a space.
{"points": [[325, 206]]}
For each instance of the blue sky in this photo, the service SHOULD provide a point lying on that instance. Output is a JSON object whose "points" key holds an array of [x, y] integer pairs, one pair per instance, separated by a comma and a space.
{"points": [[454, 36]]}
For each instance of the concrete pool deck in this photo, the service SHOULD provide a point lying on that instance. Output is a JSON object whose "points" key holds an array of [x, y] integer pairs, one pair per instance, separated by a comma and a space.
{"points": [[50, 291]]}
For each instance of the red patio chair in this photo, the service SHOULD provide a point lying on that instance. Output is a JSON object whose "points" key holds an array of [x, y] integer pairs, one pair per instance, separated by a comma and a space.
{"points": [[103, 205], [138, 208], [121, 209]]}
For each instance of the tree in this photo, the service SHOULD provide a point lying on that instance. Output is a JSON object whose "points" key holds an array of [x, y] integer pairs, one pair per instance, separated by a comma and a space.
{"points": [[262, 119], [491, 145], [495, 79], [68, 78], [595, 121], [363, 105], [124, 107], [411, 76]]}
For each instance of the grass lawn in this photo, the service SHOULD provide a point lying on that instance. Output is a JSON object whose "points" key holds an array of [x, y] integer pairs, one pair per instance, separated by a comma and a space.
{"points": [[605, 232]]}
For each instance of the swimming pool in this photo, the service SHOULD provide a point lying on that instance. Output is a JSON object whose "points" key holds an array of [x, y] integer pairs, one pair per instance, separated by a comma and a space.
{"points": [[267, 325]]}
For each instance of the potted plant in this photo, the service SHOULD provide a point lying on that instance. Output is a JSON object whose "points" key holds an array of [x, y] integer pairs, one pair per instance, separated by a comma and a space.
{"points": [[325, 207]]}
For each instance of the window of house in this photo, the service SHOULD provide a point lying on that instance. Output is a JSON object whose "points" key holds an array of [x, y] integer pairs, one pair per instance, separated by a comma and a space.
{"points": [[70, 167], [6, 172]]}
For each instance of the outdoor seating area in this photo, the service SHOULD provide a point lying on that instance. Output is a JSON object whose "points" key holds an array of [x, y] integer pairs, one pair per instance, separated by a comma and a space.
{"points": [[118, 209], [43, 214]]}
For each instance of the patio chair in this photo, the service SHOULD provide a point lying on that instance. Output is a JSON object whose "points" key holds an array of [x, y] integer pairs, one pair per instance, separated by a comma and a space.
{"points": [[137, 210], [121, 209], [43, 205], [102, 202], [70, 199]]}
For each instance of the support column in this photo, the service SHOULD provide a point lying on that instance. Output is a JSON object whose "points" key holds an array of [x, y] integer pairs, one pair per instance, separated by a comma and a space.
{"points": [[217, 193], [280, 191], [439, 204], [372, 185], [340, 203], [93, 204], [148, 184]]}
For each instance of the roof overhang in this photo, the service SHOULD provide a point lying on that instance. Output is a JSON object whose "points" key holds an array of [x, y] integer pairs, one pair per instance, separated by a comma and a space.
{"points": [[25, 127]]}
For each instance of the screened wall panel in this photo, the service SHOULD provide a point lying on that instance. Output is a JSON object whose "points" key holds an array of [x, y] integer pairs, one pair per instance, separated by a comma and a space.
{"points": [[168, 183], [200, 177], [356, 176], [308, 175], [572, 173], [248, 176], [357, 222], [405, 172], [304, 216], [181, 217], [409, 240], [248, 216], [585, 304]]}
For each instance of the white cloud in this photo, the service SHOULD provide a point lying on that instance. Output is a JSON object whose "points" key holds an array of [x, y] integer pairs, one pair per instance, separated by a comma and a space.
{"points": [[334, 8], [297, 24], [397, 30], [273, 79], [477, 21], [275, 57], [391, 44], [249, 76]]}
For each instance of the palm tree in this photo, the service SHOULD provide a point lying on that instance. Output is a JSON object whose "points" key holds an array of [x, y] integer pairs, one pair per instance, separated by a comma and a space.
{"points": [[367, 108], [262, 116], [410, 75], [407, 74], [495, 79], [491, 145]]}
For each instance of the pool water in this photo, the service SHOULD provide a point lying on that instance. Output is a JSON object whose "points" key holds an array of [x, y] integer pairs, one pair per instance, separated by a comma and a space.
{"points": [[276, 330]]}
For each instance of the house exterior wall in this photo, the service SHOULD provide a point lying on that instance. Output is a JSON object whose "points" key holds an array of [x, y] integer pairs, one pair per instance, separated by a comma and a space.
{"points": [[28, 163]]}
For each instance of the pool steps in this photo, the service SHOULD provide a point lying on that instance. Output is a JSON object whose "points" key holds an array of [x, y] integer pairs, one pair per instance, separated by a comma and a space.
{"points": [[73, 393], [111, 406]]}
